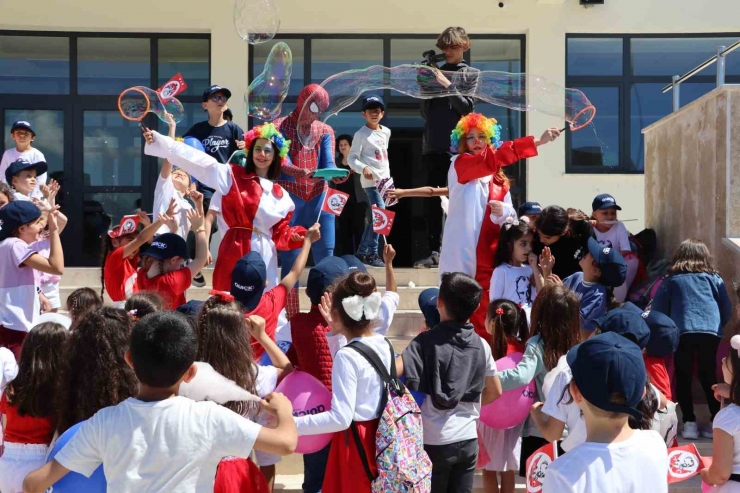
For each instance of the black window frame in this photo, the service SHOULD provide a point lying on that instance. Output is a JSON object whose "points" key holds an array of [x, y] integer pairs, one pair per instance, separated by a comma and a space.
{"points": [[624, 83]]}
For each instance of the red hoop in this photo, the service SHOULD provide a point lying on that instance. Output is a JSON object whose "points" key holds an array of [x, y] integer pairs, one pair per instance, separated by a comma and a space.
{"points": [[146, 98], [590, 108]]}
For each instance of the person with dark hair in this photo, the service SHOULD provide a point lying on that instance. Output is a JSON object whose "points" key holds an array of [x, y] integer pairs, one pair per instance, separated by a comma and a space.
{"points": [[143, 303], [228, 115], [81, 301], [6, 194], [165, 442], [565, 233], [350, 224]]}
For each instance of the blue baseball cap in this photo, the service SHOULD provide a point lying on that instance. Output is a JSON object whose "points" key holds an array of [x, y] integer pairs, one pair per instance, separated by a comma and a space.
{"points": [[612, 264], [628, 324], [323, 275], [22, 125], [354, 264], [20, 164], [190, 309], [663, 331], [167, 246], [373, 101], [213, 90], [529, 208], [15, 214], [428, 306], [609, 364], [604, 201], [248, 280]]}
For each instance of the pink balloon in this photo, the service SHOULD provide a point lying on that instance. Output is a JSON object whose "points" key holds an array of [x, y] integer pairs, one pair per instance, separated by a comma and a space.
{"points": [[513, 406], [308, 396], [705, 488]]}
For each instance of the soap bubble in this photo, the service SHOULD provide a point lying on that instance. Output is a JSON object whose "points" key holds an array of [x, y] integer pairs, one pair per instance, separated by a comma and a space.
{"points": [[256, 21], [521, 92], [268, 90], [135, 102]]}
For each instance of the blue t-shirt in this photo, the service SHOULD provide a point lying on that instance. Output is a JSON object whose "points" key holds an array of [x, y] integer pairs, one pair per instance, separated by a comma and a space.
{"points": [[593, 299]]}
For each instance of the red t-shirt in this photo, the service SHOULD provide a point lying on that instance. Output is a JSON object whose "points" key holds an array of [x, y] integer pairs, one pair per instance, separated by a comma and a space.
{"points": [[120, 275], [25, 429], [170, 286], [658, 374], [269, 308], [513, 346]]}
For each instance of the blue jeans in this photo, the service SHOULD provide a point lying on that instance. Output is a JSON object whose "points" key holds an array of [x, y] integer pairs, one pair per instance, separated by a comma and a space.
{"points": [[314, 467], [305, 215], [369, 243]]}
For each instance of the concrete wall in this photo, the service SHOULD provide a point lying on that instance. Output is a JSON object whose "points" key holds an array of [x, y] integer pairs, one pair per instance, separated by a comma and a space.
{"points": [[545, 22]]}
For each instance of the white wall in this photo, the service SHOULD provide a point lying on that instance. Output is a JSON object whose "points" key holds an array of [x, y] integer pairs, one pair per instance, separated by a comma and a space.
{"points": [[545, 22]]}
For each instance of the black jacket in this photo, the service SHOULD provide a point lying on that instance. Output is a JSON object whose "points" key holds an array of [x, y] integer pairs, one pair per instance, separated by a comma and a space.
{"points": [[442, 114], [448, 363]]}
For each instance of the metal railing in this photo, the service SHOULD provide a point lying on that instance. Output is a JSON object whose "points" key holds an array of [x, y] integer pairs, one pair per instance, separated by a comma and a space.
{"points": [[676, 80]]}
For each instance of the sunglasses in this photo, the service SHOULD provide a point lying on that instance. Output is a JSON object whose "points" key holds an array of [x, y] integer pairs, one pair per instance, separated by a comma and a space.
{"points": [[218, 98]]}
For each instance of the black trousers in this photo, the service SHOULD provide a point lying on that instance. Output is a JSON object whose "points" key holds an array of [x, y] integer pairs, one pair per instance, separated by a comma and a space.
{"points": [[349, 228], [453, 466], [691, 346], [436, 167]]}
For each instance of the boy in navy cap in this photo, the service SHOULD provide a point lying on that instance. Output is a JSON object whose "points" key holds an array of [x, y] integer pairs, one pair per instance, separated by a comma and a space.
{"points": [[23, 135], [530, 210], [369, 157], [22, 176], [608, 384]]}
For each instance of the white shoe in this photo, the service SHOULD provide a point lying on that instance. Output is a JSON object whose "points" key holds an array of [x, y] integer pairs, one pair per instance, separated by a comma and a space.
{"points": [[707, 432], [690, 431]]}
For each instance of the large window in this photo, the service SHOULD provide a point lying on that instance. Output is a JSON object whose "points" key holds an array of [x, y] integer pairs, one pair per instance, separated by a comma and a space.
{"points": [[623, 76]]}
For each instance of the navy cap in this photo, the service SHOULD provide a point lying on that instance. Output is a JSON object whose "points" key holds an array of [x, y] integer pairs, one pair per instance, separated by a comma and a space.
{"points": [[213, 90], [609, 364], [15, 214], [190, 309], [428, 306], [530, 208], [627, 323], [604, 201], [663, 331], [323, 275], [22, 125], [20, 164], [612, 264], [248, 280], [354, 264], [166, 246], [372, 101]]}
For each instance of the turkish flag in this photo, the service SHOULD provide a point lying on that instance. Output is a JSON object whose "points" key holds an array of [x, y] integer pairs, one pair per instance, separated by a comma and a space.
{"points": [[382, 221], [334, 201], [128, 225], [537, 466], [172, 88], [684, 463]]}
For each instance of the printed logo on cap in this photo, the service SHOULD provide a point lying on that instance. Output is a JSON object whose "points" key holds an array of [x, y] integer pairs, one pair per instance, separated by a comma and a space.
{"points": [[682, 464], [336, 203], [373, 98], [645, 314], [537, 471], [1, 224], [608, 198], [607, 250], [23, 122], [248, 289], [160, 245]]}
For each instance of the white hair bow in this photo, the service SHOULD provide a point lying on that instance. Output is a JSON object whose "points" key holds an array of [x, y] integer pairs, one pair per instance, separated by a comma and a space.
{"points": [[513, 221], [357, 306]]}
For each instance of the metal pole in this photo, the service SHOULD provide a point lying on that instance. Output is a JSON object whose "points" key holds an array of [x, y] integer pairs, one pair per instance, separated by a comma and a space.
{"points": [[720, 66], [676, 93]]}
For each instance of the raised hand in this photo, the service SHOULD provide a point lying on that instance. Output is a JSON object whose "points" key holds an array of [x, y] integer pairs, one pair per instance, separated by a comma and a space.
{"points": [[196, 220], [314, 233], [389, 253]]}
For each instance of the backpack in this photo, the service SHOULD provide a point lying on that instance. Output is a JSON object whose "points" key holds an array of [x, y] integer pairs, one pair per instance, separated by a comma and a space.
{"points": [[403, 465]]}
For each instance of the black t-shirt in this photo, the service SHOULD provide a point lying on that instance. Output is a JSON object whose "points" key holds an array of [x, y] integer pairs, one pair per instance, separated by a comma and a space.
{"points": [[565, 249], [219, 142]]}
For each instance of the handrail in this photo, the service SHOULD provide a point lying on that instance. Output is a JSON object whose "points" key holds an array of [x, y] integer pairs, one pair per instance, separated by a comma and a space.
{"points": [[703, 65]]}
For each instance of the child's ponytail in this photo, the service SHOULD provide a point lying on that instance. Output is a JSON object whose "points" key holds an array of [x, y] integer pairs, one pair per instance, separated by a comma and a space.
{"points": [[509, 322], [360, 287]]}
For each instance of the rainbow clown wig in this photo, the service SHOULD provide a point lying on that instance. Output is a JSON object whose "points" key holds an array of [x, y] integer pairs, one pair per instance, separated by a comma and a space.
{"points": [[475, 121], [269, 132]]}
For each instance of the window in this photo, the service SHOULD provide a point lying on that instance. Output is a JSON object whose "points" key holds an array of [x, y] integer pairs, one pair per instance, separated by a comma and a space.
{"points": [[623, 77], [189, 57], [111, 65], [34, 65]]}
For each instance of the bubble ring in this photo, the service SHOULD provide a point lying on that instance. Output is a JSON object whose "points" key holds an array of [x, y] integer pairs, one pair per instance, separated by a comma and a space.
{"points": [[143, 113], [591, 109]]}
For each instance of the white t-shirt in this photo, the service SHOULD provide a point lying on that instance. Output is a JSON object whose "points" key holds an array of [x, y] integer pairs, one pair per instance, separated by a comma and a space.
{"points": [[388, 305], [616, 237], [169, 446], [370, 148], [570, 414], [513, 284], [19, 302], [32, 156], [728, 420], [164, 191], [636, 465], [442, 427]]}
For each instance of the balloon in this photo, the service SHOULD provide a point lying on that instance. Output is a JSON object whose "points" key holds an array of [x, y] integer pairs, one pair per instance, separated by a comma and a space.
{"points": [[56, 318], [520, 92], [308, 396], [268, 90], [194, 143], [74, 482], [513, 406], [256, 21], [705, 488], [265, 358], [135, 102]]}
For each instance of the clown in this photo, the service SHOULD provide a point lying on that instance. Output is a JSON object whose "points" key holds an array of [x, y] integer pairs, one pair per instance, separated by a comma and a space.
{"points": [[480, 201], [308, 193], [256, 211]]}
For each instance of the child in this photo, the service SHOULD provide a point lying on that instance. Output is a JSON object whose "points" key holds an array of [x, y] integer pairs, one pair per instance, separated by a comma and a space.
{"points": [[80, 301], [564, 234], [167, 276], [22, 176], [164, 442], [613, 234], [48, 283], [142, 304], [725, 469], [608, 384], [455, 392], [369, 157], [507, 323], [6, 194], [22, 224], [23, 135], [530, 210], [27, 406], [695, 298], [553, 331]]}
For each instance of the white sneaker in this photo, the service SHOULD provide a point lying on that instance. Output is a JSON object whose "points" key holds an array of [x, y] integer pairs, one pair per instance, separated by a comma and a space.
{"points": [[690, 431], [707, 432]]}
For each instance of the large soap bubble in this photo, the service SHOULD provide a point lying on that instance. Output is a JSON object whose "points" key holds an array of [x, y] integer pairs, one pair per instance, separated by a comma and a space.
{"points": [[256, 21], [521, 92], [268, 90], [135, 102]]}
